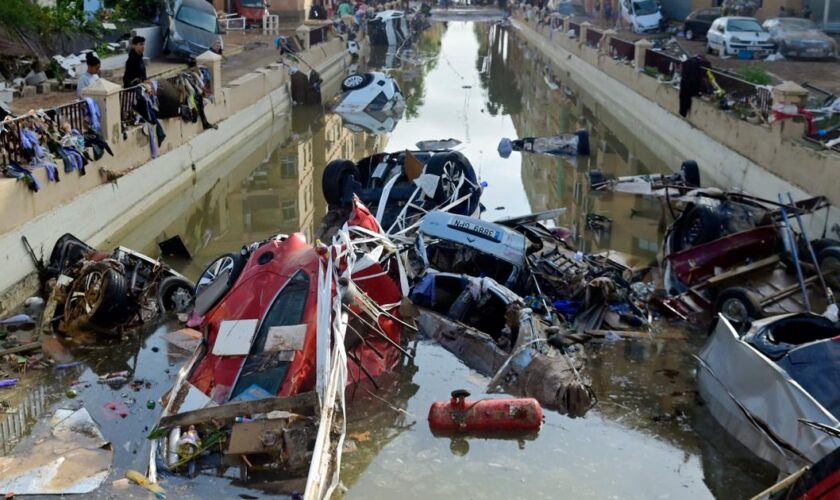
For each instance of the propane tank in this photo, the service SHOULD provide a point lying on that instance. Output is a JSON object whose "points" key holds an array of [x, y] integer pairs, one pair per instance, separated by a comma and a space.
{"points": [[485, 415]]}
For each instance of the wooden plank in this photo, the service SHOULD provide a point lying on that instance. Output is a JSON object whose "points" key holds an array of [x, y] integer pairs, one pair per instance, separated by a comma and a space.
{"points": [[232, 410], [739, 271], [21, 348], [627, 334]]}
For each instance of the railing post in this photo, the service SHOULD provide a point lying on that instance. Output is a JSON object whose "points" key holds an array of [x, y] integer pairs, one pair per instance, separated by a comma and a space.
{"points": [[789, 93], [566, 21], [606, 41], [642, 47], [213, 62], [107, 96], [582, 36]]}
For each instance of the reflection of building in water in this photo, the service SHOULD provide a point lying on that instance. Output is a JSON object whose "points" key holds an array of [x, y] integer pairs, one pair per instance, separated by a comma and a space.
{"points": [[17, 422], [563, 182]]}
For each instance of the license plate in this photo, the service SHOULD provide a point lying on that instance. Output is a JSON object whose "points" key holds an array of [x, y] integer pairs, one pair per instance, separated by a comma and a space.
{"points": [[476, 229]]}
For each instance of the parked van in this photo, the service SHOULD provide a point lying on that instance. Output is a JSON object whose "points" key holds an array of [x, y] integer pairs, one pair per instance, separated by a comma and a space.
{"points": [[189, 27], [643, 16]]}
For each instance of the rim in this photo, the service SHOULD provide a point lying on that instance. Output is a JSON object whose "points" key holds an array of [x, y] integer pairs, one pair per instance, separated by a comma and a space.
{"points": [[179, 298], [693, 232], [86, 295], [830, 268], [353, 81], [212, 273], [449, 180], [734, 310]]}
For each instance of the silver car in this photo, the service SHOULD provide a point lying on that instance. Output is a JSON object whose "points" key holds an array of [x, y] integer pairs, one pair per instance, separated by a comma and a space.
{"points": [[798, 37], [189, 27]]}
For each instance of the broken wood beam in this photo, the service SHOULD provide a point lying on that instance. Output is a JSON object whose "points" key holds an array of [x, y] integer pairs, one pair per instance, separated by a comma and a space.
{"points": [[21, 348], [232, 410], [628, 334]]}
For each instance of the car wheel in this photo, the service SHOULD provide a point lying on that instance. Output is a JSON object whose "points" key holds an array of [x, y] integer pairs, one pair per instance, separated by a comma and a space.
{"points": [[175, 294], [708, 47], [335, 176], [739, 305], [701, 224], [99, 295], [690, 173], [689, 34], [356, 82], [829, 259]]}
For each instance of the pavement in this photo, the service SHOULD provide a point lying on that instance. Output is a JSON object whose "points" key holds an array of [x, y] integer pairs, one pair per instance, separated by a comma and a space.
{"points": [[819, 73], [244, 52]]}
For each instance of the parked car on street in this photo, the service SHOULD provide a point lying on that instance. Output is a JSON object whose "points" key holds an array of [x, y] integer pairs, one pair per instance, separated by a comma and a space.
{"points": [[643, 16], [730, 36], [189, 27], [798, 37], [252, 10], [697, 23], [572, 9]]}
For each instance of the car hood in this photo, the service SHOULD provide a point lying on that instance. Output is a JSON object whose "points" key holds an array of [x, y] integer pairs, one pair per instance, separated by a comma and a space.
{"points": [[198, 39], [751, 35], [810, 36], [648, 20]]}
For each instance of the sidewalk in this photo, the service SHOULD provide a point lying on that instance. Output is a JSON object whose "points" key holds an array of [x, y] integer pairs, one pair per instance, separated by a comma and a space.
{"points": [[244, 51]]}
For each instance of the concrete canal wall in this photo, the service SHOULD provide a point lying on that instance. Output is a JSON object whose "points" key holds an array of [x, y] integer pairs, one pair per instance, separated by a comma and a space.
{"points": [[94, 206], [763, 159]]}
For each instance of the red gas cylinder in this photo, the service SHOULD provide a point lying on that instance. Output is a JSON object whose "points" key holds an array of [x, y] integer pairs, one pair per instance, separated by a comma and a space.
{"points": [[485, 415]]}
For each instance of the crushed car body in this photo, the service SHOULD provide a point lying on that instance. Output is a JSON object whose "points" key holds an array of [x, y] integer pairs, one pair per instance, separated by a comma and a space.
{"points": [[292, 325], [108, 293]]}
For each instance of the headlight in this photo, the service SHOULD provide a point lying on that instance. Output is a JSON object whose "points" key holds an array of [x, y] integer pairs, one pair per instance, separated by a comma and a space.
{"points": [[735, 39]]}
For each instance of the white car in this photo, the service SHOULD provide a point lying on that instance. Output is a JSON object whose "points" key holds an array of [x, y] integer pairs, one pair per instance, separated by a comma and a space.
{"points": [[369, 92], [642, 15], [730, 36]]}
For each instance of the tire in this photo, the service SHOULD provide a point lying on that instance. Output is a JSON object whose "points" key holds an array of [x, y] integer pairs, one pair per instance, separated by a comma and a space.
{"points": [[335, 177], [450, 166], [175, 294], [829, 259], [820, 244], [739, 305], [700, 225], [596, 177], [104, 301], [690, 173], [689, 34], [356, 82], [708, 49]]}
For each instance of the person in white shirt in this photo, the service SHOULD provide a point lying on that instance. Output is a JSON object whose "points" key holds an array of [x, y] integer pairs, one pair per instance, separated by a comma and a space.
{"points": [[89, 76]]}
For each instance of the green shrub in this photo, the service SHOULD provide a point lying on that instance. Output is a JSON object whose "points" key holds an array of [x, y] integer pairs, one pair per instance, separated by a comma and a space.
{"points": [[21, 14], [754, 73]]}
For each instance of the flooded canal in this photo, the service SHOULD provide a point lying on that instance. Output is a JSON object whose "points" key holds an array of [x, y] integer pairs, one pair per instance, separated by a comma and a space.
{"points": [[648, 436]]}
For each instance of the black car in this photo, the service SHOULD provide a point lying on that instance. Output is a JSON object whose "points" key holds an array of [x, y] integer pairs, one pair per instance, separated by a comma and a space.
{"points": [[698, 22]]}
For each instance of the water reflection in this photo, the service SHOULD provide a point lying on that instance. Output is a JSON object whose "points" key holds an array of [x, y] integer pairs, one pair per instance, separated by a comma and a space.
{"points": [[648, 436]]}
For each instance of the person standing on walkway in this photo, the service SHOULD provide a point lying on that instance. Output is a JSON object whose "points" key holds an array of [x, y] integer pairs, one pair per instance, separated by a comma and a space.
{"points": [[135, 66], [344, 8], [89, 76]]}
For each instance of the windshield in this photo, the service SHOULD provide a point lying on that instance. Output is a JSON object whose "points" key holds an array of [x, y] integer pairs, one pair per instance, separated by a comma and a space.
{"points": [[797, 25], [196, 18], [644, 7], [743, 25], [252, 3]]}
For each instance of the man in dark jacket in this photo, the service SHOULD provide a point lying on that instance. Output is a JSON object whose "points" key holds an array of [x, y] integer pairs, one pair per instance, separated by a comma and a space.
{"points": [[135, 67]]}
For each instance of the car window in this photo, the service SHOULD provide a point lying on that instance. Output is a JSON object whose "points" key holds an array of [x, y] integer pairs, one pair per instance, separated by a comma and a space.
{"points": [[287, 309], [644, 7], [197, 18], [742, 25], [793, 24]]}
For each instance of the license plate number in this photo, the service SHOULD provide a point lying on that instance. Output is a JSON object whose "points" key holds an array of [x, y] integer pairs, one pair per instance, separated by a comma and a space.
{"points": [[476, 229]]}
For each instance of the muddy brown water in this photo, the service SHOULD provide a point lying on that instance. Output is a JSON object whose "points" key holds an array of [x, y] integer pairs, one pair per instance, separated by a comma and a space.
{"points": [[648, 437]]}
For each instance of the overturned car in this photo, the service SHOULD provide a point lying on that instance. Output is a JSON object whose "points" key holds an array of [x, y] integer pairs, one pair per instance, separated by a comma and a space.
{"points": [[109, 292]]}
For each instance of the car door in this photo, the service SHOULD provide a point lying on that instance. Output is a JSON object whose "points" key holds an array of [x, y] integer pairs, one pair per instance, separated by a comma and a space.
{"points": [[715, 34]]}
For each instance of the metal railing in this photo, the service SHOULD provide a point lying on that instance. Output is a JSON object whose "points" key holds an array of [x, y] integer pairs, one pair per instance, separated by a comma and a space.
{"points": [[744, 93], [593, 37], [10, 142], [574, 27], [622, 49], [74, 113], [11, 151], [664, 64]]}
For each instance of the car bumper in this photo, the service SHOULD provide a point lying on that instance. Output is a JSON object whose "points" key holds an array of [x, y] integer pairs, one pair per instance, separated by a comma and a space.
{"points": [[809, 52]]}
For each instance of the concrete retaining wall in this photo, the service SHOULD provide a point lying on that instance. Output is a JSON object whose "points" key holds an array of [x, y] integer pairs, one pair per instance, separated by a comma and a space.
{"points": [[94, 209], [731, 152]]}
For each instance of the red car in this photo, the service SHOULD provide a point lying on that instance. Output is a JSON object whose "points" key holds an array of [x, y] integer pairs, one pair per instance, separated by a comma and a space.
{"points": [[274, 300], [252, 10]]}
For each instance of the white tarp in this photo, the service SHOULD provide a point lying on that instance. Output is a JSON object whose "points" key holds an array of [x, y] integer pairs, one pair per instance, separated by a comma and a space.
{"points": [[67, 455]]}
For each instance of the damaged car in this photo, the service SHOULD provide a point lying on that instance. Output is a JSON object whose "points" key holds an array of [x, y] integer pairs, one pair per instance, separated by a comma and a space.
{"points": [[109, 292], [284, 331]]}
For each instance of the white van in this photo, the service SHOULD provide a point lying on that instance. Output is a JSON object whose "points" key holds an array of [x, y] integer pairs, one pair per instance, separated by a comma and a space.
{"points": [[643, 16]]}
